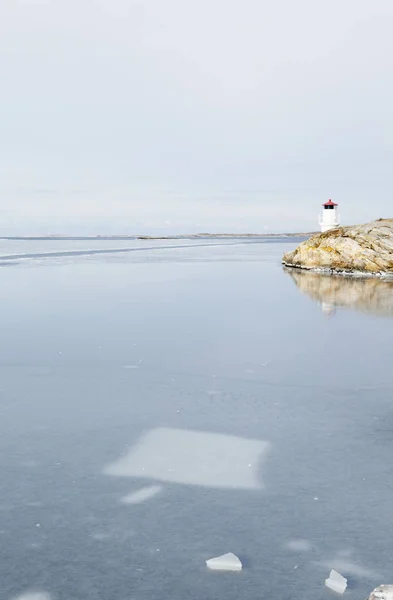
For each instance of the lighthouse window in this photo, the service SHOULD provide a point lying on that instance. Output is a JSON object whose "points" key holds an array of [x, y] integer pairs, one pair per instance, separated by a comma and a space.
{"points": [[329, 206]]}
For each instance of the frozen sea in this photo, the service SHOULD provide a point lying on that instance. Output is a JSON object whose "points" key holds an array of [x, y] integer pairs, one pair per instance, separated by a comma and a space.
{"points": [[165, 402]]}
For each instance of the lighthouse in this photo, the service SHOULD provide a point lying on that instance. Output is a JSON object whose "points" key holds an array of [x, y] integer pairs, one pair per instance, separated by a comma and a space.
{"points": [[329, 218]]}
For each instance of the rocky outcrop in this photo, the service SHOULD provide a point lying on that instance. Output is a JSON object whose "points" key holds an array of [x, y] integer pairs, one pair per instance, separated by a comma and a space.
{"points": [[358, 250], [368, 295], [382, 592]]}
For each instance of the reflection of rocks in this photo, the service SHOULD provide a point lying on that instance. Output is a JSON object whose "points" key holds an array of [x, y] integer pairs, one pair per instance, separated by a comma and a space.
{"points": [[367, 295], [364, 249]]}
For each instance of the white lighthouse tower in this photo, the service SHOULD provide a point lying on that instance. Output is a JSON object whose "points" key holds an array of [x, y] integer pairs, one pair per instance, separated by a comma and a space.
{"points": [[329, 218]]}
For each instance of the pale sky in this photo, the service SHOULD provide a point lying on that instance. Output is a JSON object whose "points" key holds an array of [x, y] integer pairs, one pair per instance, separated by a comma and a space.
{"points": [[161, 116]]}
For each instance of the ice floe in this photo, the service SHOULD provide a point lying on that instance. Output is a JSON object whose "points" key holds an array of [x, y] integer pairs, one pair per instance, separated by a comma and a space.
{"points": [[194, 458], [226, 562], [336, 582]]}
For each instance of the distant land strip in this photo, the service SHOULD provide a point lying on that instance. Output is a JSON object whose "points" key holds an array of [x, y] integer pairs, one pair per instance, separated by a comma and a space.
{"points": [[154, 237]]}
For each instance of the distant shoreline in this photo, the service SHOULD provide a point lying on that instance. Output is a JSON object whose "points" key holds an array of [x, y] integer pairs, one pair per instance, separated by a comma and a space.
{"points": [[152, 237]]}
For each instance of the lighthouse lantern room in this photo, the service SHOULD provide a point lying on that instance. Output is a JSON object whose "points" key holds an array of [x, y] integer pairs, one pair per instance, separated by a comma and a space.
{"points": [[329, 218]]}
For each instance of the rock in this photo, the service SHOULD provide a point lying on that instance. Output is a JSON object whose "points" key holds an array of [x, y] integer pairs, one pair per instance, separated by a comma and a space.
{"points": [[382, 592], [357, 250], [369, 295]]}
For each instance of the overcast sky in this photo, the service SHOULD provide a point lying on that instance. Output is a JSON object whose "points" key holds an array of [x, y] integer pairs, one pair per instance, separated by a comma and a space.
{"points": [[132, 116]]}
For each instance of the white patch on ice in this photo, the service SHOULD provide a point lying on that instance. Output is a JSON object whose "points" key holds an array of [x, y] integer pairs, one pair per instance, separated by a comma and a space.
{"points": [[336, 582], [226, 562], [100, 537], [298, 545], [194, 458], [131, 367], [33, 596], [30, 464], [349, 567], [145, 493], [346, 552]]}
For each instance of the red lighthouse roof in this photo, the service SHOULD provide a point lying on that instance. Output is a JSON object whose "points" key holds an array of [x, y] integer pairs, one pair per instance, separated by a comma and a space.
{"points": [[330, 203]]}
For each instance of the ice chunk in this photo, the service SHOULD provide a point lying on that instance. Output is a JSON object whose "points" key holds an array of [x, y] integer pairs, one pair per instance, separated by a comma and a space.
{"points": [[336, 582], [382, 592], [226, 562], [194, 458], [142, 495]]}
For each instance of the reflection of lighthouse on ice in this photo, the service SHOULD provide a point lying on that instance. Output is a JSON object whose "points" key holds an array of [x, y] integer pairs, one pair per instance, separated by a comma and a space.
{"points": [[328, 309], [329, 219]]}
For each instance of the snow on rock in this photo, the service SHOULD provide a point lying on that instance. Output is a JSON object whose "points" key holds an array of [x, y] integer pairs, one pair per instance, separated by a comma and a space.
{"points": [[382, 592], [336, 582], [226, 562]]}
